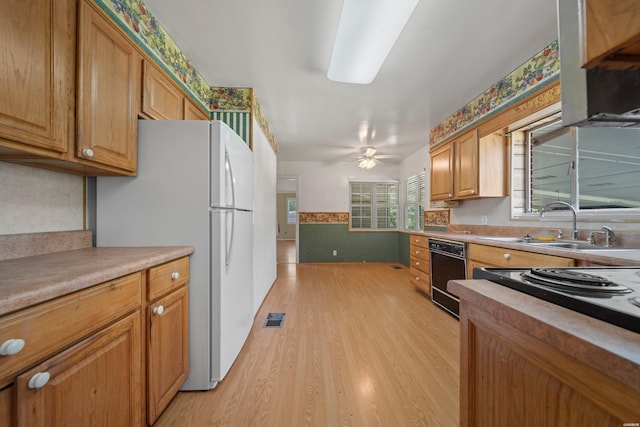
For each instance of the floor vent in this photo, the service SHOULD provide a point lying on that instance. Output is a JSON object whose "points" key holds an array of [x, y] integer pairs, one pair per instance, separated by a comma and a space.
{"points": [[274, 320], [397, 267]]}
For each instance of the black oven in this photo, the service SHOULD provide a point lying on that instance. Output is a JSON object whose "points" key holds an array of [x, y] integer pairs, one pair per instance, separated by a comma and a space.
{"points": [[448, 262]]}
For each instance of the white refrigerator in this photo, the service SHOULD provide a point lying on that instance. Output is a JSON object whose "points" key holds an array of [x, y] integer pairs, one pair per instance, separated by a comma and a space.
{"points": [[194, 187]]}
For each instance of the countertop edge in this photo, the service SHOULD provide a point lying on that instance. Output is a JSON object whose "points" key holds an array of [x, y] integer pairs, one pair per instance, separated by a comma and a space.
{"points": [[610, 349], [561, 252], [118, 262]]}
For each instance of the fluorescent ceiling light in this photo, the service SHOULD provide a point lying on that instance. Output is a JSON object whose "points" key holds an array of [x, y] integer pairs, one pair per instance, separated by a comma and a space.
{"points": [[367, 31]]}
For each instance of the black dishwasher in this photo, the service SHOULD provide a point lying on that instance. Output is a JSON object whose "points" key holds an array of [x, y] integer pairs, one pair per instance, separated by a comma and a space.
{"points": [[448, 262]]}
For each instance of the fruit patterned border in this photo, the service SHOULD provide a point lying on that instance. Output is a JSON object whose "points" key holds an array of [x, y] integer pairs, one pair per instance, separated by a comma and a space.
{"points": [[540, 70], [323, 217]]}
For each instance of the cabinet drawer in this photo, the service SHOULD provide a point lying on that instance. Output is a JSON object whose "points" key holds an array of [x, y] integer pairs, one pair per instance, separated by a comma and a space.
{"points": [[489, 255], [420, 264], [51, 326], [422, 241], [420, 280], [167, 277], [419, 252]]}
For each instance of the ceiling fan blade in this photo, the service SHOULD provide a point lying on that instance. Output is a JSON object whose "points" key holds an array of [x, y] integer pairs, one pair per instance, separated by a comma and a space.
{"points": [[389, 156]]}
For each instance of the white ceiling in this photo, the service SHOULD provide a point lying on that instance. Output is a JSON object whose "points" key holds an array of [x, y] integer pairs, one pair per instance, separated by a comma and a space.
{"points": [[449, 52]]}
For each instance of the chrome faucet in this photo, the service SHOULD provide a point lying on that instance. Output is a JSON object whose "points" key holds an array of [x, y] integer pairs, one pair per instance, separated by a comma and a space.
{"points": [[608, 236], [574, 232]]}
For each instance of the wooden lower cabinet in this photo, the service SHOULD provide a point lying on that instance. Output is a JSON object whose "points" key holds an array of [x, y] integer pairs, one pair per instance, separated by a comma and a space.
{"points": [[168, 334], [102, 356], [167, 351], [6, 406], [511, 378], [94, 383], [491, 256], [419, 268]]}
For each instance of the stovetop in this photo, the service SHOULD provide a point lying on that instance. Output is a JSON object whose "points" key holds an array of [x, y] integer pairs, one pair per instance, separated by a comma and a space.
{"points": [[611, 294]]}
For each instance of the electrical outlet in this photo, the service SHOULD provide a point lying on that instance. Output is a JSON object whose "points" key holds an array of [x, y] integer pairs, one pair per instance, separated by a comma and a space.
{"points": [[484, 219], [335, 252]]}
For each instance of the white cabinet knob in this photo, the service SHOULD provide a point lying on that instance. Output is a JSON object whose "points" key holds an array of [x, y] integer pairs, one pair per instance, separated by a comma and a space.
{"points": [[87, 152], [417, 240], [11, 347], [417, 278], [507, 256], [175, 275], [417, 252], [39, 379], [417, 262], [473, 191], [158, 310], [450, 195]]}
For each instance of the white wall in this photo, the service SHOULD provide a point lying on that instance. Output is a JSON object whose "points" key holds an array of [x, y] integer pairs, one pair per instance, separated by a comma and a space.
{"points": [[37, 200], [264, 217], [324, 187]]}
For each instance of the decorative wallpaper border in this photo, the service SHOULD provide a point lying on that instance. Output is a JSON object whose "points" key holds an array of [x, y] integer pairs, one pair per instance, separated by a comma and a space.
{"points": [[264, 125], [323, 218], [540, 70], [436, 217], [142, 27], [134, 17], [231, 99]]}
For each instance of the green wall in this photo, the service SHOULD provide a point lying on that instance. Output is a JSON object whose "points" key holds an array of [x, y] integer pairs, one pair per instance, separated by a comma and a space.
{"points": [[317, 242]]}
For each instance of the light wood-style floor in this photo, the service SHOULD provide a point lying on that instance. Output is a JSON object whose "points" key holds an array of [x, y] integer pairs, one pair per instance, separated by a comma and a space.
{"points": [[359, 347], [286, 252]]}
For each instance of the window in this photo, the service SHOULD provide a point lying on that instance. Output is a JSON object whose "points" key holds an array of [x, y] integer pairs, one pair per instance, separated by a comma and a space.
{"points": [[374, 205], [292, 210], [414, 202], [595, 169]]}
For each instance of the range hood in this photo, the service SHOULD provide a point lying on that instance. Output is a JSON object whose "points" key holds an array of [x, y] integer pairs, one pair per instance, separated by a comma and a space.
{"points": [[592, 97]]}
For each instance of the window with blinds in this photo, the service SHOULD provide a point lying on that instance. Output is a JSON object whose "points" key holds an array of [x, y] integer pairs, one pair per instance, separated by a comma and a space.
{"points": [[374, 205], [414, 202]]}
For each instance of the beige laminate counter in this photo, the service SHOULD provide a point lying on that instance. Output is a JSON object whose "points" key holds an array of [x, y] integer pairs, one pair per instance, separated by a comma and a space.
{"points": [[35, 279], [609, 349], [612, 258]]}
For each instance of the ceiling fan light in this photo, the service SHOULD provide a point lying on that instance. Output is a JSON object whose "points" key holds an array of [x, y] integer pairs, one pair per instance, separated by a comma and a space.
{"points": [[367, 31], [367, 163]]}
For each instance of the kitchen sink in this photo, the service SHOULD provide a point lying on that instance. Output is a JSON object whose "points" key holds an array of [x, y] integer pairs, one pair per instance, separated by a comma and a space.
{"points": [[504, 239], [577, 245]]}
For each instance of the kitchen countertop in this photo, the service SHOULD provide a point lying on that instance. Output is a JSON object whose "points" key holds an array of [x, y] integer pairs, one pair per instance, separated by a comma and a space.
{"points": [[611, 258], [34, 279], [612, 350]]}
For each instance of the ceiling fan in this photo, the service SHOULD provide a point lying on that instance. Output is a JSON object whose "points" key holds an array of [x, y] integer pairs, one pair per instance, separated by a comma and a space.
{"points": [[368, 158]]}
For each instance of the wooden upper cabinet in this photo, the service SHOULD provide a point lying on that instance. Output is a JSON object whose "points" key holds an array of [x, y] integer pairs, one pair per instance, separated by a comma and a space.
{"points": [[161, 99], [466, 165], [481, 166], [470, 167], [442, 172], [37, 74], [109, 85], [192, 112], [612, 34]]}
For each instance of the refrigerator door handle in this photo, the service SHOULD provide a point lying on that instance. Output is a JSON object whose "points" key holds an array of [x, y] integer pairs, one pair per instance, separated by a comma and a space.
{"points": [[229, 171], [230, 238]]}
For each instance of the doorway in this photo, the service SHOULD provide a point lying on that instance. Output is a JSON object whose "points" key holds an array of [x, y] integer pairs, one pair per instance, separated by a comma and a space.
{"points": [[287, 216]]}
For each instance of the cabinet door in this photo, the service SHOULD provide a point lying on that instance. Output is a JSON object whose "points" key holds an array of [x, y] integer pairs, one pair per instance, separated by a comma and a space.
{"points": [[109, 85], [466, 165], [192, 112], [167, 351], [612, 34], [442, 172], [96, 382], [37, 72], [6, 406], [161, 99]]}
